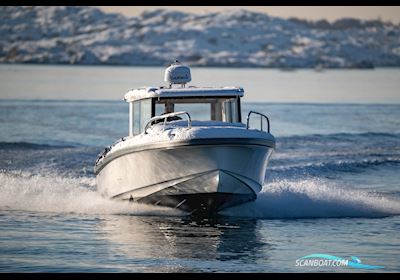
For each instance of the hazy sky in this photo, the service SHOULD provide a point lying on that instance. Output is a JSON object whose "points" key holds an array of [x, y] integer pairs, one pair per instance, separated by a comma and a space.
{"points": [[330, 13]]}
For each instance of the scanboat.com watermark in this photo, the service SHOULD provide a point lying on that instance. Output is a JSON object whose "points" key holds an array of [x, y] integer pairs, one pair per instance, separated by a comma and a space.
{"points": [[323, 260]]}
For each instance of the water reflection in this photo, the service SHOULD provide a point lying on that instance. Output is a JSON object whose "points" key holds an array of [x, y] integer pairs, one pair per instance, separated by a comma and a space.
{"points": [[183, 240]]}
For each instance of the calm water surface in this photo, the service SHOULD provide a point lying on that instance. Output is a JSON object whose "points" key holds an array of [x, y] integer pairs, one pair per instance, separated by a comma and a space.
{"points": [[332, 185]]}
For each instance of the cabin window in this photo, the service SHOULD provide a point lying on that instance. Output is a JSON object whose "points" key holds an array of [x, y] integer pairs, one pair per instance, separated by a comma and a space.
{"points": [[230, 110], [197, 111], [204, 109], [141, 115], [136, 117]]}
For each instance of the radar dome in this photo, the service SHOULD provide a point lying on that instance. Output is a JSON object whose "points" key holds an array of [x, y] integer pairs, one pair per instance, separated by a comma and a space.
{"points": [[177, 73]]}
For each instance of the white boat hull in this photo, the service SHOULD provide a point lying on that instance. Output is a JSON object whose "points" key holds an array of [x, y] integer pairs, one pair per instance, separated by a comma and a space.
{"points": [[206, 175]]}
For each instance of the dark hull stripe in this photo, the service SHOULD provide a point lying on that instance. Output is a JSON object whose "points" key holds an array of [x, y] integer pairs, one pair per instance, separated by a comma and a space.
{"points": [[199, 205]]}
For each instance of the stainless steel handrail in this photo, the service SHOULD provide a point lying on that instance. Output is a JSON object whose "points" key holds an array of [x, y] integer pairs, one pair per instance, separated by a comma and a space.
{"points": [[165, 117], [261, 115]]}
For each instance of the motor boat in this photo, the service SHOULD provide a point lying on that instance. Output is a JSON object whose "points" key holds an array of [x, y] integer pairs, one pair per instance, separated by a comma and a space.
{"points": [[187, 148]]}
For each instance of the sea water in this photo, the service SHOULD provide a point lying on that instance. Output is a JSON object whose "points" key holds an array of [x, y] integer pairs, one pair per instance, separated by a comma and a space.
{"points": [[331, 187]]}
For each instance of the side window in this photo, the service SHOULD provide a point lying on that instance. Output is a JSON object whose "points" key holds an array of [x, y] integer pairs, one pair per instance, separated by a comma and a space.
{"points": [[145, 113], [227, 111], [234, 110], [141, 114], [230, 110], [136, 117], [216, 110]]}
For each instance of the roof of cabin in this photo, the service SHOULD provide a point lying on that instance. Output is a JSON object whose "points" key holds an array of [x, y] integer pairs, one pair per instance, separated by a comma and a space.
{"points": [[151, 92]]}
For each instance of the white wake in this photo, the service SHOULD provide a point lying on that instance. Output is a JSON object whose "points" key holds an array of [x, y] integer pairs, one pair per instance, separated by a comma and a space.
{"points": [[314, 199]]}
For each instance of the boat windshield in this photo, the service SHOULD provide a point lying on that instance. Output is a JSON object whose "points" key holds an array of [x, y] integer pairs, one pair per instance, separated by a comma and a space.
{"points": [[201, 109], [225, 109]]}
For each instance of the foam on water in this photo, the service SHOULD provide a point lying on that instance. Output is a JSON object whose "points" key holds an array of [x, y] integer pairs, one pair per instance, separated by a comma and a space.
{"points": [[306, 198], [53, 193], [314, 198]]}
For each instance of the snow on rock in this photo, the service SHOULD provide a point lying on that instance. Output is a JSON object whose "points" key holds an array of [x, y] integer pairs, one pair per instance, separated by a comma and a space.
{"points": [[240, 38]]}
